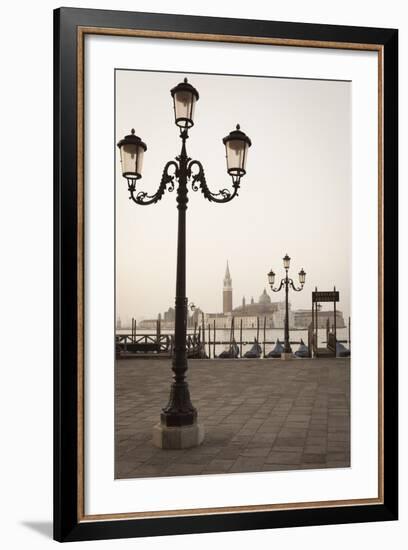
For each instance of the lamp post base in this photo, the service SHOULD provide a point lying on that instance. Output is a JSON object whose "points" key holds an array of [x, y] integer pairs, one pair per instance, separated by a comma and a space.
{"points": [[286, 356], [178, 437]]}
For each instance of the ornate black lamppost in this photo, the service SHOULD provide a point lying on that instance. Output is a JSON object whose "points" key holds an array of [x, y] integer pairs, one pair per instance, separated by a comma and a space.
{"points": [[178, 427], [287, 282]]}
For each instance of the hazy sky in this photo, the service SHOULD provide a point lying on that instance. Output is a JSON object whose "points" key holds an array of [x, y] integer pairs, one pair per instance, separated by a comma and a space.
{"points": [[295, 197]]}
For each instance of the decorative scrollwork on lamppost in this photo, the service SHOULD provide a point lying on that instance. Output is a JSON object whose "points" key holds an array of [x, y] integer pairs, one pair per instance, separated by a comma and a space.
{"points": [[287, 282], [180, 412]]}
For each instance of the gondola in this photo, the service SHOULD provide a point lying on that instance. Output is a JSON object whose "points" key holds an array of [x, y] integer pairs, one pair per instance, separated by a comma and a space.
{"points": [[231, 353], [341, 350], [303, 350], [255, 352], [277, 350], [198, 352]]}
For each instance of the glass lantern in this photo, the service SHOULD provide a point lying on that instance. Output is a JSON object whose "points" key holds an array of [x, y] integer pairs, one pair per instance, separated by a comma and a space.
{"points": [[271, 278], [286, 262], [236, 144], [132, 150], [185, 97]]}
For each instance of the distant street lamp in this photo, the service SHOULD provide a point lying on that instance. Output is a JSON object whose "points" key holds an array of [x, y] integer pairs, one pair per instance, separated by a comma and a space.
{"points": [[287, 282], [178, 427]]}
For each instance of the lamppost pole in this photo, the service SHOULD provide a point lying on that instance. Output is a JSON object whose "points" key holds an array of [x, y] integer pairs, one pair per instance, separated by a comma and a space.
{"points": [[179, 410], [287, 282], [178, 427], [287, 348]]}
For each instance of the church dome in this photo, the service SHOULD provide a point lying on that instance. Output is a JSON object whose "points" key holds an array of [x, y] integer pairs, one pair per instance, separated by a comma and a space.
{"points": [[264, 298]]}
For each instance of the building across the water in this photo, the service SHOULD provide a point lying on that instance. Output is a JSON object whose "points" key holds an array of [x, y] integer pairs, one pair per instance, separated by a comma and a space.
{"points": [[265, 311], [194, 318], [251, 314], [303, 318], [149, 324]]}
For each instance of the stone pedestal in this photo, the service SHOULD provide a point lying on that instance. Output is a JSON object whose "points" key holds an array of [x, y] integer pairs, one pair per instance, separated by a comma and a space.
{"points": [[286, 356], [178, 437]]}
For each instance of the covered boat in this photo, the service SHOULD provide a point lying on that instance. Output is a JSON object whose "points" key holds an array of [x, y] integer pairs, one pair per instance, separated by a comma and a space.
{"points": [[303, 350], [277, 350], [231, 353], [341, 350], [198, 352], [255, 352]]}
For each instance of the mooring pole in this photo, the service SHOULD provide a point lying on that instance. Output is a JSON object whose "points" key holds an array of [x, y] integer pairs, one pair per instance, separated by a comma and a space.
{"points": [[317, 322], [214, 342], [335, 327], [203, 325], [264, 336], [240, 339]]}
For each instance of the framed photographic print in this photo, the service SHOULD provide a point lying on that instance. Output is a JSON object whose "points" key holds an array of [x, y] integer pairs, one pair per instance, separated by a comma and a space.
{"points": [[225, 274]]}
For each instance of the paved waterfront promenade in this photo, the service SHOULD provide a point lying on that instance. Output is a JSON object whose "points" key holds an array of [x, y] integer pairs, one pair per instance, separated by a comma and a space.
{"points": [[259, 415]]}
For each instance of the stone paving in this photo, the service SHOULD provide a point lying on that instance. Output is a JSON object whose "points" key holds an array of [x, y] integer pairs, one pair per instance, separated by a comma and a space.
{"points": [[258, 415]]}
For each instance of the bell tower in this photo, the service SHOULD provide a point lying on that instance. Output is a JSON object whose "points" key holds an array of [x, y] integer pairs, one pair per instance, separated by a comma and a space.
{"points": [[227, 292]]}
